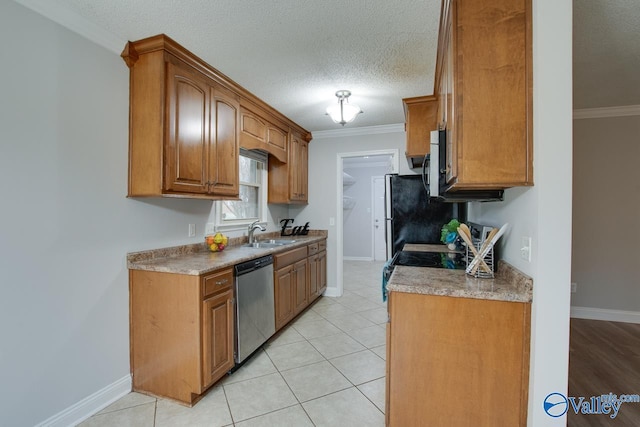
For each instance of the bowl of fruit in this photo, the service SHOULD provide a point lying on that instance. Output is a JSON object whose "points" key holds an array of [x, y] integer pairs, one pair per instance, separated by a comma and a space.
{"points": [[217, 242]]}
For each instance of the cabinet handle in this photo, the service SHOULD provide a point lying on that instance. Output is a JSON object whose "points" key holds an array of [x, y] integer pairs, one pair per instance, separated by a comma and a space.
{"points": [[222, 282]]}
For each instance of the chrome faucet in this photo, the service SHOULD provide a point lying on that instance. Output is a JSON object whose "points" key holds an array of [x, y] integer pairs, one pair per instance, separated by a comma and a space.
{"points": [[252, 228]]}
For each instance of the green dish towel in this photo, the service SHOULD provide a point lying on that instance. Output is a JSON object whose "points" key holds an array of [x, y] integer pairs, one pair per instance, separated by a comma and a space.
{"points": [[385, 273]]}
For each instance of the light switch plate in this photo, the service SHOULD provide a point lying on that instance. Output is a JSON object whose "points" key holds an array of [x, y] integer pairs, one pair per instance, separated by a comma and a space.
{"points": [[192, 230], [525, 248]]}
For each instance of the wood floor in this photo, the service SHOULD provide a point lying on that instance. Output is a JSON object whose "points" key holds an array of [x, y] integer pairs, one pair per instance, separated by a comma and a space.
{"points": [[604, 358]]}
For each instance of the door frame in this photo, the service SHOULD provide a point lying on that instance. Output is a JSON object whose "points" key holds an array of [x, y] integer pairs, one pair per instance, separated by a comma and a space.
{"points": [[373, 215], [395, 165]]}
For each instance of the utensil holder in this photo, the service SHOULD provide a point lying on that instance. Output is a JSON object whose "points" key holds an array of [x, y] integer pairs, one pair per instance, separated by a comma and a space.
{"points": [[488, 259]]}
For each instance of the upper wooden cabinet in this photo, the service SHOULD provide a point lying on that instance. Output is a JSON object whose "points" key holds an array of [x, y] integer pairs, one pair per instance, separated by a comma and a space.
{"points": [[420, 119], [188, 122], [288, 182], [257, 132], [484, 89], [201, 152]]}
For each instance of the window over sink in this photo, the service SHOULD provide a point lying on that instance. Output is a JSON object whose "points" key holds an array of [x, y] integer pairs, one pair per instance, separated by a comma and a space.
{"points": [[252, 206]]}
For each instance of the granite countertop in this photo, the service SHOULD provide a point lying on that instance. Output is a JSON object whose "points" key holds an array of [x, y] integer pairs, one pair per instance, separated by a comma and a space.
{"points": [[196, 259], [509, 283]]}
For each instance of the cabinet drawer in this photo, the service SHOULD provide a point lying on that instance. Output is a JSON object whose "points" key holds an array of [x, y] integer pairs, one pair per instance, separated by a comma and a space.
{"points": [[216, 282], [322, 246], [289, 257], [313, 248]]}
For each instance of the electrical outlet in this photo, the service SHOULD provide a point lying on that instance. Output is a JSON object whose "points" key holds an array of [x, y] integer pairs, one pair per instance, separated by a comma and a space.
{"points": [[210, 228], [574, 287], [525, 248], [192, 230]]}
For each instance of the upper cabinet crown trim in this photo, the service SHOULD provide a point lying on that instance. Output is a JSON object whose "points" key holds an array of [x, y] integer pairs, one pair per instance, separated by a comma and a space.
{"points": [[162, 42]]}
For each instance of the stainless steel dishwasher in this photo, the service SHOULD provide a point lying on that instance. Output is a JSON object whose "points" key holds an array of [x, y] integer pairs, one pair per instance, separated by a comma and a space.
{"points": [[255, 309]]}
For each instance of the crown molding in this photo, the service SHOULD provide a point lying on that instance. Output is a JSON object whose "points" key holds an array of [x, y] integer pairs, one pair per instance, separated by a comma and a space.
{"points": [[76, 23], [594, 113], [369, 130]]}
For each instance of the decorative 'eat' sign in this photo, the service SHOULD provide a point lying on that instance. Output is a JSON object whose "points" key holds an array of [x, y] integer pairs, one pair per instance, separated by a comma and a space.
{"points": [[295, 231]]}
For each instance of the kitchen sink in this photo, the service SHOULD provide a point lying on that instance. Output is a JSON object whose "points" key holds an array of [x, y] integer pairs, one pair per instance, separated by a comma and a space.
{"points": [[280, 241], [272, 243], [261, 245]]}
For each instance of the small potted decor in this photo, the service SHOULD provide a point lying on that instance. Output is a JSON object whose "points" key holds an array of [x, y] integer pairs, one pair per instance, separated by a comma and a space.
{"points": [[449, 234]]}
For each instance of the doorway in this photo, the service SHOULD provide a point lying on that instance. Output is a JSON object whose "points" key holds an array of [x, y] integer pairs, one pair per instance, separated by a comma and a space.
{"points": [[378, 217], [356, 232]]}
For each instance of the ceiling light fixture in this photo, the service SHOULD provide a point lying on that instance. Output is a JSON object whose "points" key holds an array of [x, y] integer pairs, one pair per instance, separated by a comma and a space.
{"points": [[343, 112]]}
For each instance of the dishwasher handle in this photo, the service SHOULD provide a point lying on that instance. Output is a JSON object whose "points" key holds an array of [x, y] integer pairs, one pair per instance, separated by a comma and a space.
{"points": [[254, 264]]}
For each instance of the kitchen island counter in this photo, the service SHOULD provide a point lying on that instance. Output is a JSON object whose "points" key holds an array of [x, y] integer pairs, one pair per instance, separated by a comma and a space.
{"points": [[509, 283], [196, 259]]}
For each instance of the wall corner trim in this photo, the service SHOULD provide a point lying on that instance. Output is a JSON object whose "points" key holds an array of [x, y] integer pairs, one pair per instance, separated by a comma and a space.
{"points": [[595, 113], [605, 314], [90, 405]]}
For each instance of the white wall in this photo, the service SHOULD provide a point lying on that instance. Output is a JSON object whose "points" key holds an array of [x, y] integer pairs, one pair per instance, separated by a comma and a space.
{"points": [[65, 223], [544, 211], [606, 209]]}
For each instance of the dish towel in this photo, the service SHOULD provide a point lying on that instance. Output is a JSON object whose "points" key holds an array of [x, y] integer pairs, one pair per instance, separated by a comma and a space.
{"points": [[385, 272]]}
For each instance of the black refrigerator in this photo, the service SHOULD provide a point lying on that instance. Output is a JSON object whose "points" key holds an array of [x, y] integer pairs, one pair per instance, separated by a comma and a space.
{"points": [[411, 216]]}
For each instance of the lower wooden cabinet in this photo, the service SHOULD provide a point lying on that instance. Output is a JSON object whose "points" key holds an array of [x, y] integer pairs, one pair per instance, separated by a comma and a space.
{"points": [[456, 362], [301, 293], [322, 273], [181, 332], [317, 272], [300, 276], [284, 290], [217, 336]]}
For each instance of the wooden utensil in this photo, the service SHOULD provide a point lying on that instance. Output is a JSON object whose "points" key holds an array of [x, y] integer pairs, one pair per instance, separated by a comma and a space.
{"points": [[479, 259], [465, 233], [491, 242]]}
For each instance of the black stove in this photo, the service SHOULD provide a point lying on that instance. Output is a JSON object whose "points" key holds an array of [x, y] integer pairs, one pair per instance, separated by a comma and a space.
{"points": [[453, 261]]}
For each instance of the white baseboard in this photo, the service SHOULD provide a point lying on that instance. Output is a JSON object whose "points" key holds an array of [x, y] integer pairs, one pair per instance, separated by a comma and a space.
{"points": [[357, 258], [605, 314], [331, 292], [90, 405]]}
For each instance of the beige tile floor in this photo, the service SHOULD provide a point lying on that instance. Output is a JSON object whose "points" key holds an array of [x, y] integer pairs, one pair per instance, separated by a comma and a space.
{"points": [[326, 368]]}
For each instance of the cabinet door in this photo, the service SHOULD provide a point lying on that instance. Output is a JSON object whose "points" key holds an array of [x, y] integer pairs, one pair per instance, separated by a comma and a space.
{"points": [[449, 94], [322, 272], [303, 170], [223, 147], [187, 139], [298, 169], [301, 297], [313, 277], [217, 337], [284, 282], [491, 368]]}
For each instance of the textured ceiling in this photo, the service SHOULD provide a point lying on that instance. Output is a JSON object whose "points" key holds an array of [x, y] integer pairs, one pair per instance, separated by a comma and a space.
{"points": [[606, 53], [295, 54]]}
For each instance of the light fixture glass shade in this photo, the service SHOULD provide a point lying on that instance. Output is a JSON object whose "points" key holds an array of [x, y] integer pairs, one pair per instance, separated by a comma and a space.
{"points": [[343, 112]]}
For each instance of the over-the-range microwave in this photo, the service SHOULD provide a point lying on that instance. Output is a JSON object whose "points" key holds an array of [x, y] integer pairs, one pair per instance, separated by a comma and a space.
{"points": [[437, 179]]}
